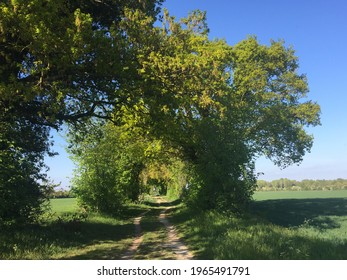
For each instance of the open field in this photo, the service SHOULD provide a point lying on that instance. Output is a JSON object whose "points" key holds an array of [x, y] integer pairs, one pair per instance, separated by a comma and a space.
{"points": [[63, 205], [287, 225]]}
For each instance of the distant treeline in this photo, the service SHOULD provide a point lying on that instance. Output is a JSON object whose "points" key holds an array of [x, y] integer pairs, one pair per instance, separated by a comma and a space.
{"points": [[287, 184], [61, 193]]}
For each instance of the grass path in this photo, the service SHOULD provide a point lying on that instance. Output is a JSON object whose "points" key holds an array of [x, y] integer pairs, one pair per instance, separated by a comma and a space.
{"points": [[155, 237]]}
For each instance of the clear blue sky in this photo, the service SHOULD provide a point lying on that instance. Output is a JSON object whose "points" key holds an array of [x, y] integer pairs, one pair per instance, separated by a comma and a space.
{"points": [[317, 30]]}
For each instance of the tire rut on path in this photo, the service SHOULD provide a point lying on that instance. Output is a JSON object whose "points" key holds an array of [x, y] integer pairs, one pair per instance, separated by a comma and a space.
{"points": [[172, 243], [130, 253]]}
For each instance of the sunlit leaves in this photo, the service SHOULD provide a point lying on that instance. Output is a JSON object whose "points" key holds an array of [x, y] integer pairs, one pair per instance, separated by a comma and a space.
{"points": [[270, 93]]}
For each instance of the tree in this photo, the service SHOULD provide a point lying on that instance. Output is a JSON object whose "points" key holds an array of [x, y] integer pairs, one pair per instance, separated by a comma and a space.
{"points": [[269, 92], [60, 61], [223, 106], [219, 106], [23, 185]]}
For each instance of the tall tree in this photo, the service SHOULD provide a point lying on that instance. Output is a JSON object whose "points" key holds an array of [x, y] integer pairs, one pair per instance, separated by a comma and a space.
{"points": [[60, 61], [221, 105]]}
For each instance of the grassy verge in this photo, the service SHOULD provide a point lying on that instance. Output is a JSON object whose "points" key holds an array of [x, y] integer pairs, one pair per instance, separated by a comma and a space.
{"points": [[274, 229]]}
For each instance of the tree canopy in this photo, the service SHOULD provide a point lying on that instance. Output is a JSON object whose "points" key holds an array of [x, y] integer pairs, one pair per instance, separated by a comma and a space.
{"points": [[217, 106], [146, 94], [60, 61], [64, 60]]}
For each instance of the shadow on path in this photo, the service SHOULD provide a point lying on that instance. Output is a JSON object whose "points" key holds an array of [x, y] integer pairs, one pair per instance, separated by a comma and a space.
{"points": [[163, 203]]}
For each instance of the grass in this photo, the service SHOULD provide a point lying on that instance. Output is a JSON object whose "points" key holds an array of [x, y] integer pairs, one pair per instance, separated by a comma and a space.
{"points": [[64, 205], [67, 234], [278, 228]]}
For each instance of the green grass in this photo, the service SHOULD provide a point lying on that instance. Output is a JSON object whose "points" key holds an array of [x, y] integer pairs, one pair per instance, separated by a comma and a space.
{"points": [[64, 205], [281, 227]]}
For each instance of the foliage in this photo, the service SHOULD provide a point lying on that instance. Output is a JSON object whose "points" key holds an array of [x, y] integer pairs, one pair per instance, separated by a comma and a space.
{"points": [[59, 61], [222, 106], [64, 60], [215, 106], [169, 91], [23, 185], [270, 94], [104, 170], [118, 164]]}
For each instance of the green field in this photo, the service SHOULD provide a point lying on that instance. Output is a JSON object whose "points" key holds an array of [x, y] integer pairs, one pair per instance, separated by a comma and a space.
{"points": [[279, 225], [63, 205]]}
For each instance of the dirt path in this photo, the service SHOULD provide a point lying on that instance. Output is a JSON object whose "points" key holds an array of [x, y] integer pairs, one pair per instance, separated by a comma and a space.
{"points": [[156, 241], [174, 243]]}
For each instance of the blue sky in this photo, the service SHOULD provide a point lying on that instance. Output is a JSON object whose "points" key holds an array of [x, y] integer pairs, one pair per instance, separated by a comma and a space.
{"points": [[317, 30]]}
